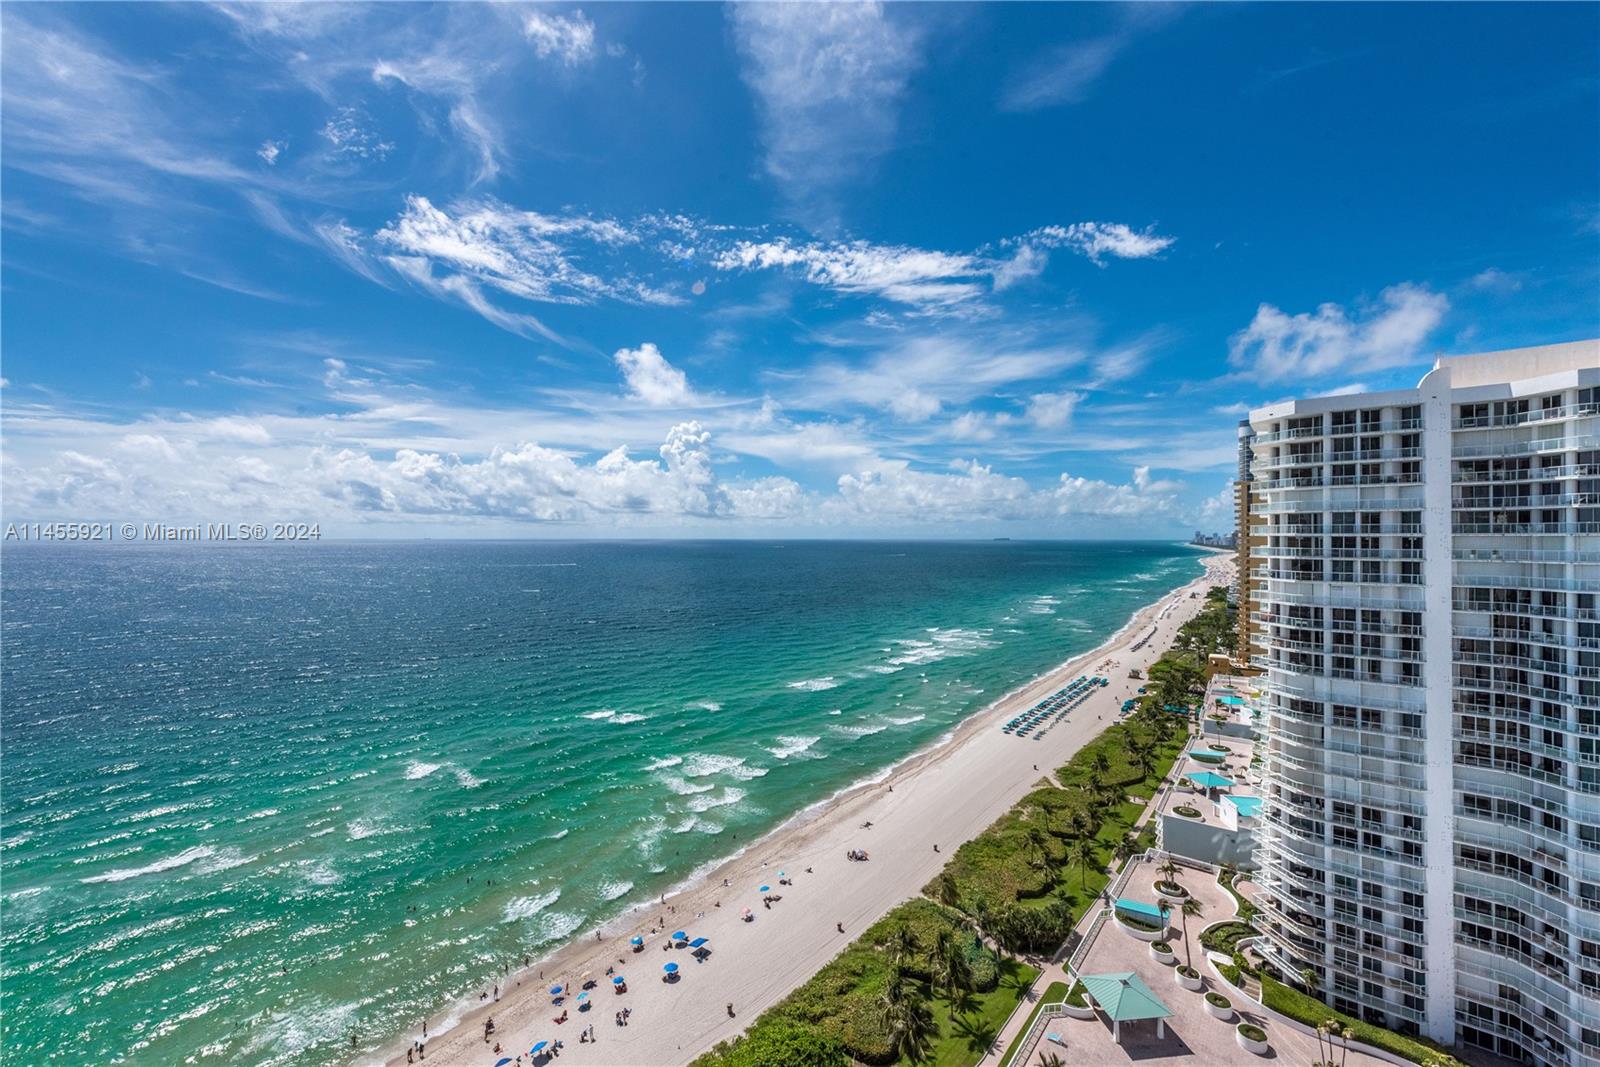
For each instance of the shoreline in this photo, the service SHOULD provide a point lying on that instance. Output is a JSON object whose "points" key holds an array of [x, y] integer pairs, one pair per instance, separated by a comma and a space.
{"points": [[523, 1013]]}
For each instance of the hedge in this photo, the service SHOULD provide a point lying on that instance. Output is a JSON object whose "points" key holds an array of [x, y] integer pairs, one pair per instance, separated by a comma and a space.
{"points": [[1307, 1009]]}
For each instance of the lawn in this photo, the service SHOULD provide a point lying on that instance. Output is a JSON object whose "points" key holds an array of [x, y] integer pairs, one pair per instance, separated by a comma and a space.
{"points": [[1054, 993], [962, 1041], [1313, 1012]]}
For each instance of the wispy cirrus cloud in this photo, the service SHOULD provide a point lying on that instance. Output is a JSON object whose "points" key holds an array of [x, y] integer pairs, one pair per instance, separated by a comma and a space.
{"points": [[1067, 72], [1387, 332], [828, 81]]}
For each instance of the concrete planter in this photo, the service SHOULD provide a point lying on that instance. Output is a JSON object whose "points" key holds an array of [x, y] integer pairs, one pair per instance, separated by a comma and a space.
{"points": [[1142, 935], [1217, 1012], [1259, 1048], [1194, 985], [1171, 896], [1072, 1011], [1168, 957]]}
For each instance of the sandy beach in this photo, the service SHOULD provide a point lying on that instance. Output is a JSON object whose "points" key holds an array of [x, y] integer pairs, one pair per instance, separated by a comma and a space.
{"points": [[939, 797]]}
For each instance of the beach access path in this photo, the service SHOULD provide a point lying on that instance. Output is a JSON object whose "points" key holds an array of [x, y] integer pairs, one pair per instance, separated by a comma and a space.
{"points": [[942, 796]]}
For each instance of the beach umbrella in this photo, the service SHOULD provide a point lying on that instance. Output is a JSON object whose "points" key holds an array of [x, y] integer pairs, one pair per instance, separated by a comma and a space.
{"points": [[697, 942], [618, 980], [637, 941], [534, 1051], [679, 935], [670, 968], [502, 1061], [763, 889], [555, 991], [582, 997]]}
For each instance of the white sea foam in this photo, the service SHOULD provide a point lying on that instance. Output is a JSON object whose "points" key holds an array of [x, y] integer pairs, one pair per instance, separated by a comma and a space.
{"points": [[364, 828], [815, 685], [683, 787], [225, 860], [905, 720], [264, 813], [418, 769], [603, 713], [466, 779], [528, 907], [664, 762], [706, 705], [686, 825], [558, 835], [730, 795], [613, 890], [182, 859], [629, 716], [792, 746], [701, 764], [866, 730], [884, 668]]}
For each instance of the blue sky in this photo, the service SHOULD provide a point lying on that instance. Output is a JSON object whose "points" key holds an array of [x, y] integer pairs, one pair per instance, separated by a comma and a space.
{"points": [[1009, 270]]}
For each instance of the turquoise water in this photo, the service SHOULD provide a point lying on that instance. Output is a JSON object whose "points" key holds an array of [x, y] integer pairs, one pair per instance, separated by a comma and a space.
{"points": [[256, 801]]}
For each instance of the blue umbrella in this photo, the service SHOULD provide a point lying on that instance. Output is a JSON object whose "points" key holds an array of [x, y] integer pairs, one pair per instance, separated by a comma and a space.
{"points": [[670, 968], [782, 875], [618, 980], [502, 1062], [763, 889], [534, 1051], [697, 942], [637, 941], [555, 991], [679, 935], [582, 997]]}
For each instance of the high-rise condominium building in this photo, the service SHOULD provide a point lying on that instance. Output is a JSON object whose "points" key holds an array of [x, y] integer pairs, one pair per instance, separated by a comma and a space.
{"points": [[1424, 600]]}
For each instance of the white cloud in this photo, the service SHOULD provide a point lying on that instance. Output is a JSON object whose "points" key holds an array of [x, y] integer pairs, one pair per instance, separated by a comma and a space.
{"points": [[895, 272], [270, 151], [347, 131], [1061, 76], [1052, 411], [1495, 280], [652, 379], [569, 38], [1389, 333], [828, 80], [916, 377], [1097, 240]]}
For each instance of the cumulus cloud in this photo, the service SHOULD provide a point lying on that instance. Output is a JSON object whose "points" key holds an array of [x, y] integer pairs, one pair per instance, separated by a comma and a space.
{"points": [[270, 151], [1387, 333], [650, 378], [1495, 280], [569, 38], [1052, 411], [828, 81]]}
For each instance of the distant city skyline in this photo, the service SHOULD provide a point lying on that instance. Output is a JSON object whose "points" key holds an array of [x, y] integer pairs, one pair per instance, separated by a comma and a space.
{"points": [[767, 270]]}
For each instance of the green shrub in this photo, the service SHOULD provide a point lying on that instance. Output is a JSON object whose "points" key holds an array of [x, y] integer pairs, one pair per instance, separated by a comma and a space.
{"points": [[1160, 946], [1217, 1000], [1187, 971], [1078, 997], [1307, 1009], [1225, 937], [1186, 811], [1252, 1033]]}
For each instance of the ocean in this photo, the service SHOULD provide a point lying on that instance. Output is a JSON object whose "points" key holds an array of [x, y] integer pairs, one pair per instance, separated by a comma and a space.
{"points": [[255, 801]]}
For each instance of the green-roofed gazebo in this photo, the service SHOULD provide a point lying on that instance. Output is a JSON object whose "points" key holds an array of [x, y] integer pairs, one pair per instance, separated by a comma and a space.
{"points": [[1125, 998]]}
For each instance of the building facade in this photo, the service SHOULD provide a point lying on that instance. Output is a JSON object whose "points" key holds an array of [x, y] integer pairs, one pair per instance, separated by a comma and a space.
{"points": [[1424, 606]]}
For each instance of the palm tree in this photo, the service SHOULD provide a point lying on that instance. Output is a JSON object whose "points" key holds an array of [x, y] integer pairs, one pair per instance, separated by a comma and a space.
{"points": [[985, 920], [1191, 906], [1082, 852], [1123, 852], [946, 890], [951, 967], [1331, 1030], [1050, 1059], [1101, 762], [905, 1014], [1169, 871], [1037, 840], [903, 945]]}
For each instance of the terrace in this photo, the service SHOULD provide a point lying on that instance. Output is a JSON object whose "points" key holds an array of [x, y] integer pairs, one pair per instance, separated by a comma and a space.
{"points": [[1212, 811], [1195, 1030]]}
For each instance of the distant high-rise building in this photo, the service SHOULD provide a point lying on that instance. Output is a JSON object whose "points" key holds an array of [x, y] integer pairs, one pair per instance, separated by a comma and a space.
{"points": [[1423, 595]]}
